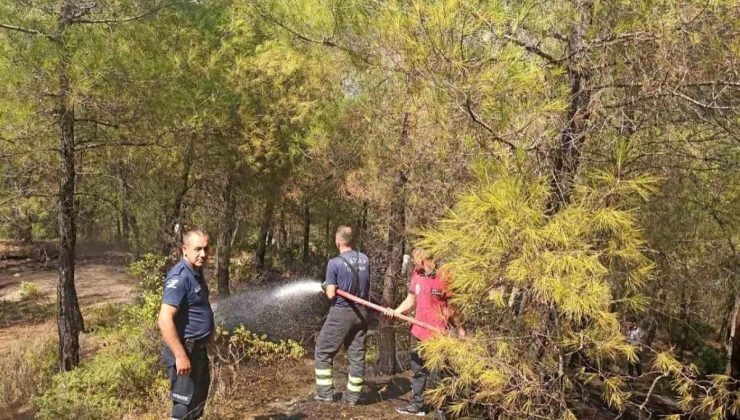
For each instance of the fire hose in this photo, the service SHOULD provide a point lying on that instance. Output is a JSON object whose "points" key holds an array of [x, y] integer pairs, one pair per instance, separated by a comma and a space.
{"points": [[381, 309]]}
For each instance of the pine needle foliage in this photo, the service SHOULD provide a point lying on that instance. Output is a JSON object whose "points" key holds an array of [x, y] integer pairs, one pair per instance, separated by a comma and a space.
{"points": [[538, 289]]}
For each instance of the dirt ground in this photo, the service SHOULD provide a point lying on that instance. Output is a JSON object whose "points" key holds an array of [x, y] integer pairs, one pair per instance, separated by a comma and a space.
{"points": [[278, 391], [284, 391], [98, 281]]}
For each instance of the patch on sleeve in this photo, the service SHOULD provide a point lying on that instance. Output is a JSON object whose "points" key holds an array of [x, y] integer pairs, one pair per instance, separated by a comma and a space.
{"points": [[172, 283]]}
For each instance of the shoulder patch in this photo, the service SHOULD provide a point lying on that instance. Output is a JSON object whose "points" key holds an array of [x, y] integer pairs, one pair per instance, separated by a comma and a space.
{"points": [[172, 283]]}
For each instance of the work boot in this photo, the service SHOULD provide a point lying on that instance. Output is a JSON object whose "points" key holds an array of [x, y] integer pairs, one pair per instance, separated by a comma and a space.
{"points": [[411, 410], [350, 398], [323, 398]]}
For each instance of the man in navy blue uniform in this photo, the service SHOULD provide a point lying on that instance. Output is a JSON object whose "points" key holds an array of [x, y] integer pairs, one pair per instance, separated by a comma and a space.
{"points": [[346, 323], [186, 323]]}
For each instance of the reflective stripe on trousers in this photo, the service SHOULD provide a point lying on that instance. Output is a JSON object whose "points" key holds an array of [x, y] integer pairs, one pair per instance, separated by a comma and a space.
{"points": [[323, 377], [354, 384]]}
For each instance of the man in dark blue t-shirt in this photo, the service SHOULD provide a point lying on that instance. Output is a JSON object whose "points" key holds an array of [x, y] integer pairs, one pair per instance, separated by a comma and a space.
{"points": [[186, 323], [346, 323]]}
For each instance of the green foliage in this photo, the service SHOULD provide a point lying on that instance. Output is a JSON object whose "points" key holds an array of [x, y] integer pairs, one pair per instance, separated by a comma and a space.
{"points": [[150, 271], [124, 375], [27, 369], [710, 361], [105, 317], [244, 346], [566, 271]]}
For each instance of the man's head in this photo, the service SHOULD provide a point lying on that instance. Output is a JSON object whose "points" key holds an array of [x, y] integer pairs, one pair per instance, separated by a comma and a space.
{"points": [[343, 237], [423, 260], [195, 247], [417, 256]]}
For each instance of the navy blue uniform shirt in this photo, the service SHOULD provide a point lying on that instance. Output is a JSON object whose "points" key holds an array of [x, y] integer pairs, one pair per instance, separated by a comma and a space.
{"points": [[339, 274], [185, 288]]}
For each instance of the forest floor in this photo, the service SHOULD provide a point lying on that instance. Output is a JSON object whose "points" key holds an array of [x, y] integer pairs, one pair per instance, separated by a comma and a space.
{"points": [[279, 391]]}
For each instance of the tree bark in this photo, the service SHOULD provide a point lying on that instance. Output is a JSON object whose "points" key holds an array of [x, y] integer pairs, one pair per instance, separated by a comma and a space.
{"points": [[259, 259], [306, 232], [282, 244], [387, 360], [130, 227], [329, 248], [362, 226], [170, 241], [69, 320], [225, 230], [566, 158]]}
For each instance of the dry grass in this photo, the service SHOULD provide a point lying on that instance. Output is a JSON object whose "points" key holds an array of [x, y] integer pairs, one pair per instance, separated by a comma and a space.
{"points": [[26, 369]]}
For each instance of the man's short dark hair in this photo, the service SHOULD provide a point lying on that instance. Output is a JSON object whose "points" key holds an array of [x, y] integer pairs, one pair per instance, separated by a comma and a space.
{"points": [[344, 235], [192, 232]]}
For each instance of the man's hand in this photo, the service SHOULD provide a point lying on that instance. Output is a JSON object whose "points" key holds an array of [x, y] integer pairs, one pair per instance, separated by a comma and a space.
{"points": [[182, 364], [389, 312]]}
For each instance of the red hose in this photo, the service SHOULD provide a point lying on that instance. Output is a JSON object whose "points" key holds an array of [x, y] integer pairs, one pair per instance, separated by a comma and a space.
{"points": [[381, 309]]}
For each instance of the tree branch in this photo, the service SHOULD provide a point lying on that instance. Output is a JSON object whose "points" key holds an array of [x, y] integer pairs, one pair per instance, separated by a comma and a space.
{"points": [[91, 145], [25, 30], [477, 120], [534, 49]]}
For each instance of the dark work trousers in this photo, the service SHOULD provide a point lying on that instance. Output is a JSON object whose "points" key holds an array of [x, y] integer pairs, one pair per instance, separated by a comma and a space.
{"points": [[422, 378], [635, 369], [193, 387], [344, 326]]}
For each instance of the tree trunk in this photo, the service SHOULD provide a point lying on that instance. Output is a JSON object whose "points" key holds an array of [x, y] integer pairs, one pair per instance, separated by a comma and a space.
{"points": [[169, 240], [329, 248], [733, 343], [306, 232], [566, 158], [685, 318], [69, 320], [225, 229], [387, 361], [259, 259], [130, 227], [362, 226]]}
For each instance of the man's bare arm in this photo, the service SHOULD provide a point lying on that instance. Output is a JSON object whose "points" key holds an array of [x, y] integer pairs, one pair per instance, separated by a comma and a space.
{"points": [[331, 291], [166, 324], [407, 304]]}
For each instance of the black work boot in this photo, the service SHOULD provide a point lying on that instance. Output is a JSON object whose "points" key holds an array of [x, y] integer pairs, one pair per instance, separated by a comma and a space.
{"points": [[411, 410]]}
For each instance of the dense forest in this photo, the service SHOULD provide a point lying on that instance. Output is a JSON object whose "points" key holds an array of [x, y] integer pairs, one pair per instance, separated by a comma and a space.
{"points": [[574, 164]]}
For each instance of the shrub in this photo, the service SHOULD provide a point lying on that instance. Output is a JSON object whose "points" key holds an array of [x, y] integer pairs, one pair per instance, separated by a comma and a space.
{"points": [[26, 368], [150, 271], [104, 317], [244, 346], [30, 291], [126, 374]]}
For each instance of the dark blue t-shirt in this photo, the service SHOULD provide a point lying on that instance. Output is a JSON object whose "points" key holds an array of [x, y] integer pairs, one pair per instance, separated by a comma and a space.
{"points": [[186, 289], [339, 274]]}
